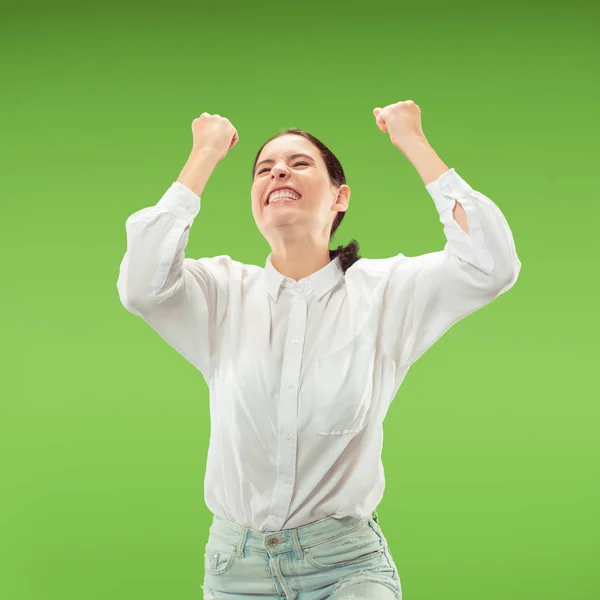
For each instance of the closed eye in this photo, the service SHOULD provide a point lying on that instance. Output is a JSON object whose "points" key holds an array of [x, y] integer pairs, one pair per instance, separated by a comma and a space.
{"points": [[298, 163]]}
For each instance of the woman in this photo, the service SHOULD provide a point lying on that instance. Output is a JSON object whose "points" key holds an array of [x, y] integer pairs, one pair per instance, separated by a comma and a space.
{"points": [[304, 357]]}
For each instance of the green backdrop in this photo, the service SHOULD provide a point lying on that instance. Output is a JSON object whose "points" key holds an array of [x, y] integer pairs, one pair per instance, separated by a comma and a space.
{"points": [[491, 447]]}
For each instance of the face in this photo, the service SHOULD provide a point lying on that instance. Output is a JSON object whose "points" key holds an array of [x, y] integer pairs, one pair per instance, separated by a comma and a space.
{"points": [[319, 200]]}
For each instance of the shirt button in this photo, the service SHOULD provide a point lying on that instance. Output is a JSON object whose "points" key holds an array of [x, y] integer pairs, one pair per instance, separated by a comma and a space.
{"points": [[294, 341], [288, 437], [290, 386], [286, 480]]}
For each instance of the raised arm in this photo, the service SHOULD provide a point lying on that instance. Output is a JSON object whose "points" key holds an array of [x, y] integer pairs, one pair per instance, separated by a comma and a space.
{"points": [[425, 295], [181, 298]]}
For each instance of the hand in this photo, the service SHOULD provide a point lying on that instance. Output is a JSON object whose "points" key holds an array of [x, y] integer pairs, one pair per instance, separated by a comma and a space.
{"points": [[214, 133], [402, 121]]}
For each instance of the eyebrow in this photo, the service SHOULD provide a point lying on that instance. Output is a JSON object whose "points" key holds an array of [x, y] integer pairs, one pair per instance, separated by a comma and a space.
{"points": [[291, 157]]}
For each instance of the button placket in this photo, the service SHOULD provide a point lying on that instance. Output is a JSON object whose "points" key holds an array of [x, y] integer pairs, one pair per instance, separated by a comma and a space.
{"points": [[290, 377]]}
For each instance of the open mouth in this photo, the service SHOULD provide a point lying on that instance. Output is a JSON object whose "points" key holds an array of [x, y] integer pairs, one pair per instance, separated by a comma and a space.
{"points": [[281, 200]]}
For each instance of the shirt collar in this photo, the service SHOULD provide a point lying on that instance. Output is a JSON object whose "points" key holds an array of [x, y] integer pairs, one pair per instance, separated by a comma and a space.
{"points": [[320, 282]]}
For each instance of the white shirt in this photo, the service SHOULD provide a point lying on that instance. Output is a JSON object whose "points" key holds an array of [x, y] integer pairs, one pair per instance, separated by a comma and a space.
{"points": [[301, 374]]}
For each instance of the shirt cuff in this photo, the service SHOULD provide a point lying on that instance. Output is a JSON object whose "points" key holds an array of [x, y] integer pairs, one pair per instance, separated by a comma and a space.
{"points": [[180, 200], [447, 188]]}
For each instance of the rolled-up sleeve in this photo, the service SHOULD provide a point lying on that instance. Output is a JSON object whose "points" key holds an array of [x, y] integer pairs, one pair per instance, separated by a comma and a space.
{"points": [[425, 295]]}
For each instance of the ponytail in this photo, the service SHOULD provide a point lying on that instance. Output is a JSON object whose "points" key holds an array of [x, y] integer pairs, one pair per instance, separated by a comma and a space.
{"points": [[348, 254]]}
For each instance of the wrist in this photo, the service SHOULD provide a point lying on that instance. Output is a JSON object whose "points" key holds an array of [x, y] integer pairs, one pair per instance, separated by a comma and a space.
{"points": [[414, 146], [204, 154]]}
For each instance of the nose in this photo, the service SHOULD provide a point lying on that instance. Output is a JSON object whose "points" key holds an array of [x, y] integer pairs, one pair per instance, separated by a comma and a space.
{"points": [[279, 171]]}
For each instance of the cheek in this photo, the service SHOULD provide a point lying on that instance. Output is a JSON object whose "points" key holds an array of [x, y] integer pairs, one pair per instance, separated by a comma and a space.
{"points": [[256, 207], [256, 195]]}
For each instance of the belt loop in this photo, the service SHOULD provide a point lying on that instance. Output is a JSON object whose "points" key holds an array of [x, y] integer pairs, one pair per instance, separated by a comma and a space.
{"points": [[242, 542], [296, 543]]}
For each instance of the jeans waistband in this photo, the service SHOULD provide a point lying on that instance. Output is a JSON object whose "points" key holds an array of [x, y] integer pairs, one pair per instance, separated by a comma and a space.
{"points": [[286, 539]]}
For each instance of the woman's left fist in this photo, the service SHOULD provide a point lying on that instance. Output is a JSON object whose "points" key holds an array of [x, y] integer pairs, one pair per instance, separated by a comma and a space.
{"points": [[402, 121]]}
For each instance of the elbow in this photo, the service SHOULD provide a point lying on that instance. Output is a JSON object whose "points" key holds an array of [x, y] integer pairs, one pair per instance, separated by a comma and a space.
{"points": [[131, 301], [505, 276], [131, 304]]}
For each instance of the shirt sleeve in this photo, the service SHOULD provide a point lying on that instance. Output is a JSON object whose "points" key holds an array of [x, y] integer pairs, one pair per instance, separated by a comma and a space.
{"points": [[182, 299], [425, 295]]}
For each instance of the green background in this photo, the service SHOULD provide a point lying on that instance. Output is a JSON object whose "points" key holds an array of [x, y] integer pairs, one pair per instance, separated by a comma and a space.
{"points": [[491, 447]]}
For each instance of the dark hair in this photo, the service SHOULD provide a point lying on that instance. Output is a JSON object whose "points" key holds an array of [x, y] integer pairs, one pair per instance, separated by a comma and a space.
{"points": [[348, 254]]}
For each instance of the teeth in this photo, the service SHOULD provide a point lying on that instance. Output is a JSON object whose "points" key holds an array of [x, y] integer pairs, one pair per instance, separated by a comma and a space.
{"points": [[285, 194]]}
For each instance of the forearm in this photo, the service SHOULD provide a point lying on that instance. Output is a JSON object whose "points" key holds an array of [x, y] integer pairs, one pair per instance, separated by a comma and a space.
{"points": [[424, 159], [197, 170], [430, 167]]}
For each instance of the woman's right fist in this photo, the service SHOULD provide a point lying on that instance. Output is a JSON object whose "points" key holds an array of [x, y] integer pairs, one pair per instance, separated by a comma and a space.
{"points": [[214, 133]]}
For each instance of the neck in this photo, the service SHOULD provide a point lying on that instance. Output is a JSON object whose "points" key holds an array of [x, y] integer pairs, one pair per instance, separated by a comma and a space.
{"points": [[299, 262]]}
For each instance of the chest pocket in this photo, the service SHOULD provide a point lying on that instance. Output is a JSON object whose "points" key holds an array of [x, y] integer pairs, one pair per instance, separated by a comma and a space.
{"points": [[343, 387]]}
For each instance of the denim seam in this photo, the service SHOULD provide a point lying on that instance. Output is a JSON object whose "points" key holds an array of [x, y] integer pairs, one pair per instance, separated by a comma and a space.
{"points": [[365, 577], [346, 563], [341, 534]]}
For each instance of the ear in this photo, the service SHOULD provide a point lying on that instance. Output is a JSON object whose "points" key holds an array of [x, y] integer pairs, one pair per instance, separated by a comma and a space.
{"points": [[343, 197]]}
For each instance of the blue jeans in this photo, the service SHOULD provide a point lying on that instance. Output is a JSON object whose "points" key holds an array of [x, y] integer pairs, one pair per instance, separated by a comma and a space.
{"points": [[330, 559]]}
